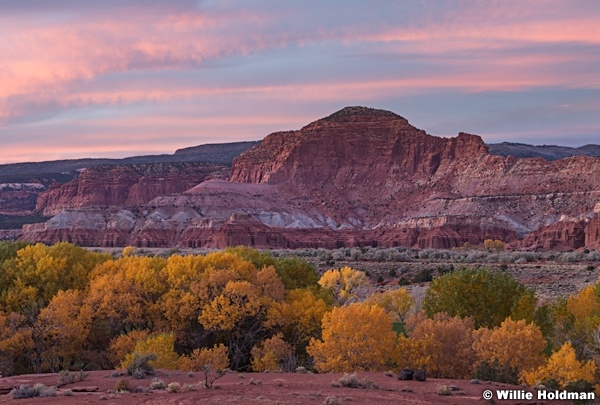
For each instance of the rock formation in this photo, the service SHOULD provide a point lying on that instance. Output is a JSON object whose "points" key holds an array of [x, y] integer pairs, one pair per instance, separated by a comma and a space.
{"points": [[125, 185], [358, 177]]}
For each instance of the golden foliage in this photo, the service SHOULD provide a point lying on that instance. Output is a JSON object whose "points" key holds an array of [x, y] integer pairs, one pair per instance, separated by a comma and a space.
{"points": [[240, 299], [123, 345], [516, 344], [415, 353], [396, 303], [118, 300], [358, 337], [47, 269], [271, 354], [563, 367], [68, 323], [584, 306], [443, 346], [128, 251], [495, 244], [298, 317], [343, 283], [15, 340], [211, 362], [162, 345]]}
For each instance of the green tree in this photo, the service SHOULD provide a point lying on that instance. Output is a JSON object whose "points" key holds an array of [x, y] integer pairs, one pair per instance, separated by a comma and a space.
{"points": [[485, 296]]}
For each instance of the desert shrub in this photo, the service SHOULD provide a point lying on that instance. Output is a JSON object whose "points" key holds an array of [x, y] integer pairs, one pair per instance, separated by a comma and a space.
{"points": [[122, 385], [444, 268], [68, 393], [158, 384], [140, 365], [43, 391], [392, 273], [38, 390], [331, 400], [66, 377], [139, 374], [352, 381], [189, 387], [174, 387], [402, 281], [23, 391], [551, 384], [443, 390], [423, 276]]}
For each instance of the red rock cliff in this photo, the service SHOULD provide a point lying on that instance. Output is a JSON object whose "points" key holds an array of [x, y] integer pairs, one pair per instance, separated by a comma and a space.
{"points": [[125, 185], [358, 177]]}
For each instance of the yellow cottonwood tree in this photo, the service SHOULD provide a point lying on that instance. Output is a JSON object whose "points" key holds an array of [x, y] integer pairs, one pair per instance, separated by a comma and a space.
{"points": [[298, 317], [211, 362], [344, 283], [272, 354], [397, 303], [515, 344], [123, 345], [15, 341], [358, 337], [71, 323], [442, 345], [162, 345], [563, 367]]}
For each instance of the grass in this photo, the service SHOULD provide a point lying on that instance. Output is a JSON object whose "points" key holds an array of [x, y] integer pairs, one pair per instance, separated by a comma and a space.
{"points": [[352, 381]]}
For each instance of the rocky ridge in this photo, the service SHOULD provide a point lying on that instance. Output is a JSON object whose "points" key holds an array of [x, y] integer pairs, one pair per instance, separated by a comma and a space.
{"points": [[22, 185], [125, 185], [358, 177]]}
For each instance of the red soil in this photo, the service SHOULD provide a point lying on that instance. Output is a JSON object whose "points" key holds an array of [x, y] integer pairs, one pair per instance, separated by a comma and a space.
{"points": [[274, 388]]}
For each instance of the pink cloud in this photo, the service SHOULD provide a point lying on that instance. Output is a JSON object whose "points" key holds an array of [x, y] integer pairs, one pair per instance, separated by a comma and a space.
{"points": [[51, 59], [59, 62]]}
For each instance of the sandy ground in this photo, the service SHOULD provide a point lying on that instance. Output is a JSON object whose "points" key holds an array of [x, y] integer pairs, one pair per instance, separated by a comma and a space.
{"points": [[265, 388]]}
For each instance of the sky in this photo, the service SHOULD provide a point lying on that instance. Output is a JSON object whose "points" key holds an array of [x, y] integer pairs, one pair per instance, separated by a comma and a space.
{"points": [[117, 78]]}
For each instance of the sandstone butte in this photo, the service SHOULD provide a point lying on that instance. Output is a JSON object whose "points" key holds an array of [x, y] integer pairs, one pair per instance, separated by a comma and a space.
{"points": [[358, 177]]}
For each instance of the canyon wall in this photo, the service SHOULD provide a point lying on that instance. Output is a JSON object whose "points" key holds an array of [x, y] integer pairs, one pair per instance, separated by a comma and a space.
{"points": [[358, 177]]}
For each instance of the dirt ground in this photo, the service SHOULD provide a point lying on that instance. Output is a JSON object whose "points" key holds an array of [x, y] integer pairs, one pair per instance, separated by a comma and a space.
{"points": [[265, 388]]}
